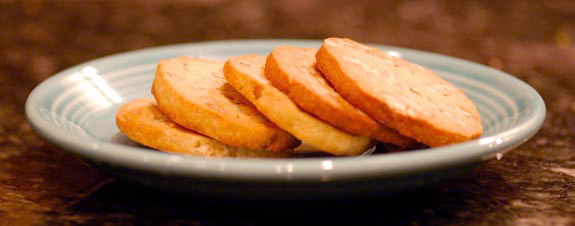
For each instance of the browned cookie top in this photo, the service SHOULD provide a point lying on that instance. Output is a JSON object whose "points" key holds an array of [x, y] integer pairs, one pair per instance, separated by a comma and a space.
{"points": [[405, 96]]}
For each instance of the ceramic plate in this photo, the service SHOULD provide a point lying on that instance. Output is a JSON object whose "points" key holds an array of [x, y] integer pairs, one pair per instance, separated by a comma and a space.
{"points": [[76, 110]]}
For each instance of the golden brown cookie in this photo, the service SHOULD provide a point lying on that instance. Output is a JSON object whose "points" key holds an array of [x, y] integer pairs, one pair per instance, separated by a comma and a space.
{"points": [[142, 122], [404, 96], [292, 70], [194, 93], [246, 74]]}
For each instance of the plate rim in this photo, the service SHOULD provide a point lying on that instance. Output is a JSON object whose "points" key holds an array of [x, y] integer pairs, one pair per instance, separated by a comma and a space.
{"points": [[288, 170]]}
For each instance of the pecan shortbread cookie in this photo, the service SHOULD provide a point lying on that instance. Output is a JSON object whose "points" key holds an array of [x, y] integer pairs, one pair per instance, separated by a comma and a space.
{"points": [[142, 121], [292, 70], [194, 93], [402, 95], [246, 74]]}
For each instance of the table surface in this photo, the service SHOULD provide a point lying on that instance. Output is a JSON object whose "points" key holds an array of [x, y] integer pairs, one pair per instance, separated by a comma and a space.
{"points": [[534, 40]]}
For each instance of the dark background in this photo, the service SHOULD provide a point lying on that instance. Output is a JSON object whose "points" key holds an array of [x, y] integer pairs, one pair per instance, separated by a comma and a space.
{"points": [[533, 40]]}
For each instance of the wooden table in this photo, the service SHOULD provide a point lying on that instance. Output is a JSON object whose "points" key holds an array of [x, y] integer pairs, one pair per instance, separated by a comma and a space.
{"points": [[533, 40]]}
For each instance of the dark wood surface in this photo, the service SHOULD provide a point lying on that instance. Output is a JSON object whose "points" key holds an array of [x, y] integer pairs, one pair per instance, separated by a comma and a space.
{"points": [[534, 40]]}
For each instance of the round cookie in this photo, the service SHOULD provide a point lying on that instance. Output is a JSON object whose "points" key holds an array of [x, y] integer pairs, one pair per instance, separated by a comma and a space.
{"points": [[246, 74], [142, 122], [194, 94], [292, 70], [404, 96]]}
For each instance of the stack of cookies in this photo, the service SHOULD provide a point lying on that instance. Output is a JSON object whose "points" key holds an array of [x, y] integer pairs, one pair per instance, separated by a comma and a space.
{"points": [[340, 99]]}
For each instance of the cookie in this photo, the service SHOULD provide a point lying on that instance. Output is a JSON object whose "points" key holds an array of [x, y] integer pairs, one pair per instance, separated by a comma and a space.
{"points": [[292, 70], [194, 94], [142, 121], [246, 74], [402, 95]]}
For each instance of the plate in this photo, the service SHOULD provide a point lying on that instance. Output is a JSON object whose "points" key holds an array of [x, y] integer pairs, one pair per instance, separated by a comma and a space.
{"points": [[75, 109]]}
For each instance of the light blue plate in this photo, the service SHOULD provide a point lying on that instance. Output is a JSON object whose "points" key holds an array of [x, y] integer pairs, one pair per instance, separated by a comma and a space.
{"points": [[76, 110]]}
